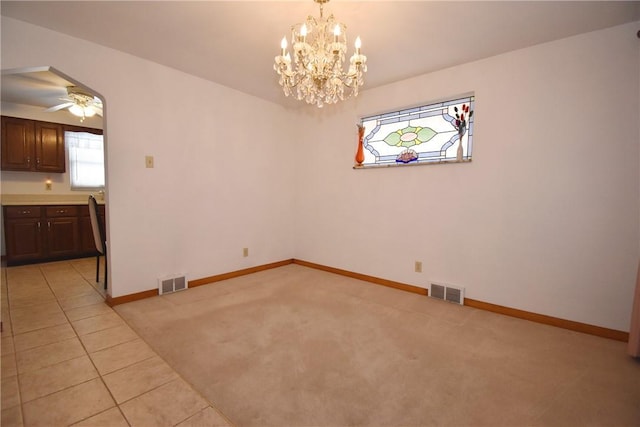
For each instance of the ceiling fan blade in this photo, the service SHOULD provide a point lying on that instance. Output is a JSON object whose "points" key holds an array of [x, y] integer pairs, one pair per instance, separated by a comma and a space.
{"points": [[58, 107], [98, 110]]}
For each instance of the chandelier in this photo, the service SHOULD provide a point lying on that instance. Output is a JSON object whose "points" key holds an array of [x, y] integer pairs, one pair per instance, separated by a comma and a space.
{"points": [[317, 75]]}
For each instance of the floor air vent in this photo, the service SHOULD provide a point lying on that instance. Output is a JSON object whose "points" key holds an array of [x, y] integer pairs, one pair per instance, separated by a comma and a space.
{"points": [[167, 285], [447, 293]]}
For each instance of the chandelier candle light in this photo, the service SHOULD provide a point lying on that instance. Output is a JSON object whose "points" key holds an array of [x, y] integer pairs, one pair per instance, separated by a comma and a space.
{"points": [[319, 48]]}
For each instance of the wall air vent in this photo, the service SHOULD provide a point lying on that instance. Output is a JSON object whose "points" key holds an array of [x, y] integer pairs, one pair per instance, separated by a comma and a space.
{"points": [[180, 283], [445, 292], [171, 284], [436, 291]]}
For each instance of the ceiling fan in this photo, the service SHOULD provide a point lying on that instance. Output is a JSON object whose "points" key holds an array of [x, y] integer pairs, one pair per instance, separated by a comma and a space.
{"points": [[80, 103]]}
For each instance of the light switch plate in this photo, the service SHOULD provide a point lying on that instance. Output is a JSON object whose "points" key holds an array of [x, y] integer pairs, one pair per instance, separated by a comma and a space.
{"points": [[148, 160]]}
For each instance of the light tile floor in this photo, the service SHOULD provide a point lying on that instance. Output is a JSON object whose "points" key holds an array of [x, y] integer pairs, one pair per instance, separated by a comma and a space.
{"points": [[69, 359]]}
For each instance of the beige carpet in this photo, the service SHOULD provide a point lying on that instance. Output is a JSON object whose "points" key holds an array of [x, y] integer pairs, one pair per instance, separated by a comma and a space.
{"points": [[295, 346]]}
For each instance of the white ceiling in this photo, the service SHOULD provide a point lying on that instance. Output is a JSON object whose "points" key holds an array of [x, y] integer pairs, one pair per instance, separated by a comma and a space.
{"points": [[234, 42], [40, 87]]}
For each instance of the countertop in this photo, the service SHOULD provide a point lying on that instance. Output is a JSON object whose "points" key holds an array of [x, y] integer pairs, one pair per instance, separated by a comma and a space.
{"points": [[46, 199]]}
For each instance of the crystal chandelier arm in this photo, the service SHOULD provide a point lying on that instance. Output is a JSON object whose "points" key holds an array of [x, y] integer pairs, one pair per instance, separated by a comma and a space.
{"points": [[319, 48]]}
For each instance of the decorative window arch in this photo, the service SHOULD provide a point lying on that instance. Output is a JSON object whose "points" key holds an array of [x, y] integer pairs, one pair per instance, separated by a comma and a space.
{"points": [[435, 133]]}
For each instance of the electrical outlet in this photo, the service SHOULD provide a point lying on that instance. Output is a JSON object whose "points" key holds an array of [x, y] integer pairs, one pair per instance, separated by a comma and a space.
{"points": [[48, 185], [245, 252], [418, 267], [148, 160]]}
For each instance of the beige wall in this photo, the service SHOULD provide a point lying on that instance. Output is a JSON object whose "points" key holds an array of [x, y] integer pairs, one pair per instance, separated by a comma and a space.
{"points": [[545, 218], [208, 196]]}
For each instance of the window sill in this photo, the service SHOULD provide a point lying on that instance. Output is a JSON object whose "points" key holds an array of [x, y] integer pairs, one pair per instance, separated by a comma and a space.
{"points": [[403, 165]]}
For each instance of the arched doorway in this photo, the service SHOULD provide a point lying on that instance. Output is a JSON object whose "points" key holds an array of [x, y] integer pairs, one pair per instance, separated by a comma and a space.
{"points": [[29, 94]]}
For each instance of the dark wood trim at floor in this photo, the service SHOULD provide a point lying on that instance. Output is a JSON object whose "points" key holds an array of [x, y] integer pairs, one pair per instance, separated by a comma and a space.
{"points": [[366, 278], [237, 273], [550, 320], [198, 282], [507, 311], [113, 301]]}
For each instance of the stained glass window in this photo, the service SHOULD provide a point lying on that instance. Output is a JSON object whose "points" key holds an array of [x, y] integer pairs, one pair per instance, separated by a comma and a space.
{"points": [[434, 133]]}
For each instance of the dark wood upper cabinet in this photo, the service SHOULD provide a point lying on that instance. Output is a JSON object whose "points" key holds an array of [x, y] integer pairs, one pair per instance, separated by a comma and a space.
{"points": [[31, 145], [49, 147], [18, 139]]}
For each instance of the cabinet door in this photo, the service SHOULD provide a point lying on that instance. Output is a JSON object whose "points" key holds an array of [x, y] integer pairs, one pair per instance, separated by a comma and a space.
{"points": [[62, 236], [18, 144], [49, 145], [87, 242], [23, 239]]}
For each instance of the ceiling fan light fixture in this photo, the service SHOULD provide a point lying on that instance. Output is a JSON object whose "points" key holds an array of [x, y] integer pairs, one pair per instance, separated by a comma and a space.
{"points": [[84, 104], [80, 103], [82, 111], [76, 110]]}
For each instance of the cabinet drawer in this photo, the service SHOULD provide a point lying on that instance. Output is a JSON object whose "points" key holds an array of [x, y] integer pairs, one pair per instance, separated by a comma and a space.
{"points": [[23, 211], [61, 211]]}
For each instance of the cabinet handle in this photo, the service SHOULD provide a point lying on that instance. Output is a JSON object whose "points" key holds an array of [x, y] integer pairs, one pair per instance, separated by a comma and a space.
{"points": [[25, 212], [38, 225], [28, 160], [49, 225], [61, 211], [38, 161]]}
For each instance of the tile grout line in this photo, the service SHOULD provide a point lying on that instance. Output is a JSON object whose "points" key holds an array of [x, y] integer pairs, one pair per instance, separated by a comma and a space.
{"points": [[62, 389], [15, 354], [90, 282], [209, 403], [90, 360], [15, 361], [43, 274], [136, 363], [39, 329], [40, 346], [111, 346], [101, 376]]}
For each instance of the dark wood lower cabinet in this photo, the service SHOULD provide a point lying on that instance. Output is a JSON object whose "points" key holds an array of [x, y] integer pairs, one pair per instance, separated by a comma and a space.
{"points": [[87, 242], [41, 233], [62, 234], [23, 239]]}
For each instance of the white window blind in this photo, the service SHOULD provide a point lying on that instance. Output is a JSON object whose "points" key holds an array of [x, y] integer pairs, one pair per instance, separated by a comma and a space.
{"points": [[86, 160]]}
